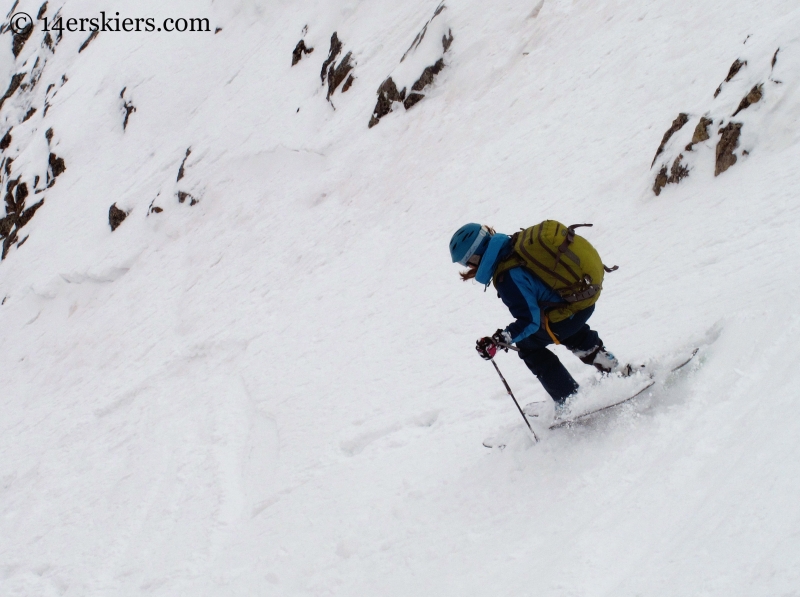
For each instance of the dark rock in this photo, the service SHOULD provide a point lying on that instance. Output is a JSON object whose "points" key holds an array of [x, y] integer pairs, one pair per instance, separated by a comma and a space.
{"points": [[678, 171], [677, 125], [115, 216], [29, 114], [48, 134], [387, 94], [11, 204], [57, 165], [299, 50], [156, 209], [129, 109], [6, 224], [183, 196], [447, 40], [347, 85], [217, 30], [89, 40], [26, 215], [12, 87], [755, 95], [661, 180], [412, 100], [337, 75], [42, 10], [19, 39], [735, 68], [421, 35], [426, 78], [676, 174], [48, 41], [775, 57], [336, 48], [6, 140], [21, 195], [181, 171], [728, 142], [9, 240], [700, 132]]}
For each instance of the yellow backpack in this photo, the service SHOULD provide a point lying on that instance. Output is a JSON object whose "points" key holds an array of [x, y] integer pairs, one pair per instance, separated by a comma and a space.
{"points": [[563, 260]]}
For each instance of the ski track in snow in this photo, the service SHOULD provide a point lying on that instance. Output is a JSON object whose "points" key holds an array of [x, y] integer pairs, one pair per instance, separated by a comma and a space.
{"points": [[274, 391]]}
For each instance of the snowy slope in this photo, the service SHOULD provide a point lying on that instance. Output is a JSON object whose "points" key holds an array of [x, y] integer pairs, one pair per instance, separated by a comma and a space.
{"points": [[273, 391]]}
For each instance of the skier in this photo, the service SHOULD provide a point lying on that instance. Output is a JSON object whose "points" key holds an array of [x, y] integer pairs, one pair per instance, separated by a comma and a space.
{"points": [[492, 257]]}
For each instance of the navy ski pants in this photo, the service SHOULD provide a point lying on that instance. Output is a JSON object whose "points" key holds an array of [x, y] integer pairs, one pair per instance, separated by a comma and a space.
{"points": [[575, 334]]}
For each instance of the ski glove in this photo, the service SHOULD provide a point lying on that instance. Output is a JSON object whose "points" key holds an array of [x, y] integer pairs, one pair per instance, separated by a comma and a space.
{"points": [[486, 348], [501, 337]]}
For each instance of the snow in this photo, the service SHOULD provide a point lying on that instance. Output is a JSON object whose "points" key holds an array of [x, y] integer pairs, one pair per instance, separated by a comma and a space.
{"points": [[274, 391]]}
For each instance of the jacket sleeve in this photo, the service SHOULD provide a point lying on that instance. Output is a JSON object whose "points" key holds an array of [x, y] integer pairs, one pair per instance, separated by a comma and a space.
{"points": [[522, 293]]}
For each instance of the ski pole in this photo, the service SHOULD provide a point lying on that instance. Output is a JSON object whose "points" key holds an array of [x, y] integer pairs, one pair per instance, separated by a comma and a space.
{"points": [[510, 393], [504, 345]]}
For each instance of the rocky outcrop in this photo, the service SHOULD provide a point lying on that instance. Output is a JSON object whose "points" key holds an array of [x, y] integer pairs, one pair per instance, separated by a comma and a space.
{"points": [[299, 50], [116, 216], [672, 167], [18, 214], [676, 174], [387, 95], [700, 133], [13, 85], [181, 170], [425, 79], [88, 40], [127, 107], [334, 73], [677, 125], [425, 44], [732, 72], [755, 95], [728, 142]]}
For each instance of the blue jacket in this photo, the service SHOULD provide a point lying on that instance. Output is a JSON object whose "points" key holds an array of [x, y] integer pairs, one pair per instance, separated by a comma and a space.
{"points": [[520, 290]]}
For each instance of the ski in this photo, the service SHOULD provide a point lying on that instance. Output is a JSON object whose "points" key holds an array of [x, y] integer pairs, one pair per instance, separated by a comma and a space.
{"points": [[649, 382], [564, 422]]}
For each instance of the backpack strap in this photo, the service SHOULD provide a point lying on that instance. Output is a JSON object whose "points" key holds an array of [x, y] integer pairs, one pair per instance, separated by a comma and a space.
{"points": [[550, 333], [563, 249]]}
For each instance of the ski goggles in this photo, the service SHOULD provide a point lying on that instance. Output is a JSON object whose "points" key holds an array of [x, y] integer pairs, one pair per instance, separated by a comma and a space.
{"points": [[484, 232]]}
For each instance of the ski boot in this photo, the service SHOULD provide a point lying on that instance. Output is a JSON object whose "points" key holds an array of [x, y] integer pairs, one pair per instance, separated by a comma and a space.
{"points": [[604, 361]]}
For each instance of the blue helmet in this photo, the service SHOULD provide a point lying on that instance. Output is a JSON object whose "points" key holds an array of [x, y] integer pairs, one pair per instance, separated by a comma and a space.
{"points": [[469, 240]]}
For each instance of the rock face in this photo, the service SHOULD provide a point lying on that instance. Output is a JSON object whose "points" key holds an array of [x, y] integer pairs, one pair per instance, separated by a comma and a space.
{"points": [[115, 216], [17, 213], [700, 133], [729, 141], [425, 79], [127, 107], [387, 94], [19, 39], [13, 85], [732, 98], [732, 72], [677, 125], [299, 50], [334, 73], [755, 95], [434, 39], [676, 174]]}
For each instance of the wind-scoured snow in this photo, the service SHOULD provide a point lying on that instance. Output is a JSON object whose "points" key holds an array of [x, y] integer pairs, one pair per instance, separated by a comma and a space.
{"points": [[271, 387]]}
